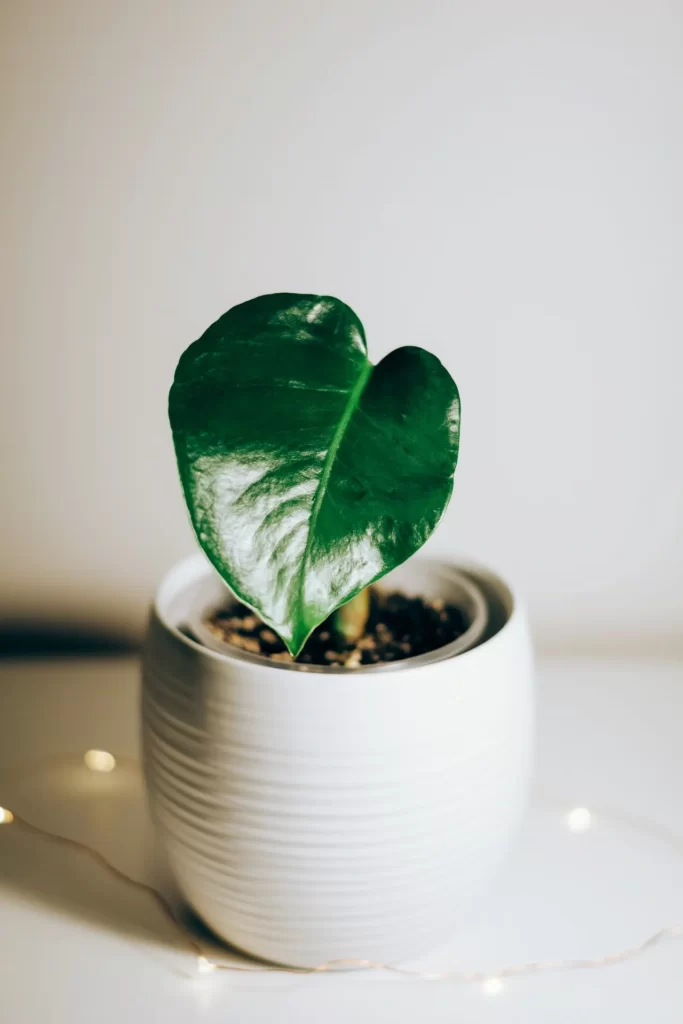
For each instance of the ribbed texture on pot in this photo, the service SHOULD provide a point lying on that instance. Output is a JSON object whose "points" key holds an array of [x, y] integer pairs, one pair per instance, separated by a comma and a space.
{"points": [[315, 817]]}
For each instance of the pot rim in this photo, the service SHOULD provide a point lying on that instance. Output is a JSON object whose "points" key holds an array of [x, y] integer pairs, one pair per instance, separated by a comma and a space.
{"points": [[194, 567]]}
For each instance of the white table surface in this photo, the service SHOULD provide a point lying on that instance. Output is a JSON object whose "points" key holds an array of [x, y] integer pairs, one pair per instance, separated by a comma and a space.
{"points": [[77, 946]]}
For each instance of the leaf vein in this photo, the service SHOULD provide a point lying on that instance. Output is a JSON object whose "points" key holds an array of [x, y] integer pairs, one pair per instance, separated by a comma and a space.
{"points": [[337, 438]]}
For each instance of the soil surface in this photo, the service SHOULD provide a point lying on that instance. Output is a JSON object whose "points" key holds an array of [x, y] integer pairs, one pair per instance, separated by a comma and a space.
{"points": [[398, 627]]}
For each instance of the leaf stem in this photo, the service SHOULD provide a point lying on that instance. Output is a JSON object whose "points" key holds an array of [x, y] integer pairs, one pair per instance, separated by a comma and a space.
{"points": [[351, 619]]}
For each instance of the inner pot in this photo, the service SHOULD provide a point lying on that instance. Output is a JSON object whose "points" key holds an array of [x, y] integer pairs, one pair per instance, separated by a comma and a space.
{"points": [[448, 583]]}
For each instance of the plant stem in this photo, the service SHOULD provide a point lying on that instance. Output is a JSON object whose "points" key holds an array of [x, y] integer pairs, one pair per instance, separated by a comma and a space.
{"points": [[351, 619]]}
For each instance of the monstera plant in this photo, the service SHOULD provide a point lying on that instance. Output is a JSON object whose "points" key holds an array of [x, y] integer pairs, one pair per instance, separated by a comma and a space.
{"points": [[308, 471]]}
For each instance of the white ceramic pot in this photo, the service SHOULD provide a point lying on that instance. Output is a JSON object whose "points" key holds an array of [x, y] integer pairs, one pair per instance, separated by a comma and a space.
{"points": [[315, 815]]}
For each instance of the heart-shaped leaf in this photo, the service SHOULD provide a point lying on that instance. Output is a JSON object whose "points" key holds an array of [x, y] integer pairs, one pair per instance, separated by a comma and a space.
{"points": [[308, 472]]}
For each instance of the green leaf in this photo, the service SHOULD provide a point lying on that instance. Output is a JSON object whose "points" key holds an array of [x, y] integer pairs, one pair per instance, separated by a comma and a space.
{"points": [[308, 472]]}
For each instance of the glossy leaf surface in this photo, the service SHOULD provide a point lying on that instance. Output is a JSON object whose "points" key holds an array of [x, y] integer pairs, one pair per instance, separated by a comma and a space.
{"points": [[308, 472]]}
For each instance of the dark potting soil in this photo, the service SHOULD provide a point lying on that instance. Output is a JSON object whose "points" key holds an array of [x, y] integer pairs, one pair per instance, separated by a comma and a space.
{"points": [[398, 627]]}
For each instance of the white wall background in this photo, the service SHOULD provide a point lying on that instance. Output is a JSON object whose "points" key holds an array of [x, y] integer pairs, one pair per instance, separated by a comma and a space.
{"points": [[499, 181]]}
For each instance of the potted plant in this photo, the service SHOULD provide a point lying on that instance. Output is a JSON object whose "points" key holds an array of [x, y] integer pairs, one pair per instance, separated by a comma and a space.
{"points": [[335, 767]]}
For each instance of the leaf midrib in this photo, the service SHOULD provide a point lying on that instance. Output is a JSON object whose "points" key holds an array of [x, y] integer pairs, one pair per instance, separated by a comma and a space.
{"points": [[337, 438]]}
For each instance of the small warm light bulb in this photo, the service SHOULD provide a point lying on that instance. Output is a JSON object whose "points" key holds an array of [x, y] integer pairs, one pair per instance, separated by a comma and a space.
{"points": [[99, 761], [491, 986], [6, 817], [579, 820], [205, 966]]}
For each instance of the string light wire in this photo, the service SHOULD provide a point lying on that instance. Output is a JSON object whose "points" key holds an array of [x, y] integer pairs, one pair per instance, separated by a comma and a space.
{"points": [[490, 982]]}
